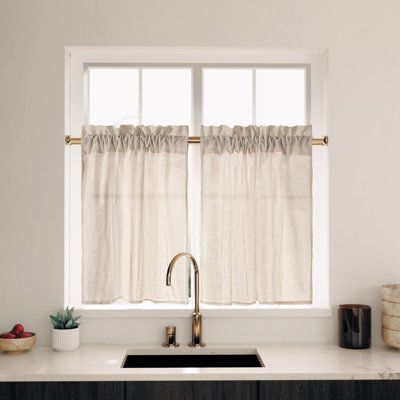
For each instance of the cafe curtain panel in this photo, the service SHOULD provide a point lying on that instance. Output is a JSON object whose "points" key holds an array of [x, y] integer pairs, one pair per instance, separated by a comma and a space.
{"points": [[134, 214], [256, 214]]}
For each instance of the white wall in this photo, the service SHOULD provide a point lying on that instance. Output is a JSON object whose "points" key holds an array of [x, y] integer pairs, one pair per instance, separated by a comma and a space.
{"points": [[362, 37]]}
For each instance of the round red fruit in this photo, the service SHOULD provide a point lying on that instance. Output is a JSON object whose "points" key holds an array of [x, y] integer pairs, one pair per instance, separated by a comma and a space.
{"points": [[9, 335], [18, 329], [24, 335]]}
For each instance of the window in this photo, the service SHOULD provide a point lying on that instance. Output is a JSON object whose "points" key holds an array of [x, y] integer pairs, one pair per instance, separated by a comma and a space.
{"points": [[113, 96], [227, 96], [260, 96], [151, 87], [124, 96]]}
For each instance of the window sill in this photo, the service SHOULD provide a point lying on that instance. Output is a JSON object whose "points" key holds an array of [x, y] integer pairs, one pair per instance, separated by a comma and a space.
{"points": [[185, 311]]}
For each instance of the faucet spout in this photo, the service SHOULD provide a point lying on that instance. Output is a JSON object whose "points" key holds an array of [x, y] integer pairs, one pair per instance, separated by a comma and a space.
{"points": [[196, 316]]}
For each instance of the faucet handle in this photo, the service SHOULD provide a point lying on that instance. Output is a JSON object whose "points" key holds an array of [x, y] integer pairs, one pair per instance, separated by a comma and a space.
{"points": [[170, 337]]}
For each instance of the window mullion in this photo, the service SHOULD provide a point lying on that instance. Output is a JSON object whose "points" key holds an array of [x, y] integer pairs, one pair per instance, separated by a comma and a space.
{"points": [[254, 99], [197, 96], [194, 173], [140, 97]]}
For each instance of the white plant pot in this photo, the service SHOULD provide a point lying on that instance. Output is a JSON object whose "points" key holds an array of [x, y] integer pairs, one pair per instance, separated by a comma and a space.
{"points": [[65, 339]]}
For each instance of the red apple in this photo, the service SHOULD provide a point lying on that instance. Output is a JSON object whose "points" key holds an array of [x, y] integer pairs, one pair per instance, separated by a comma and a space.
{"points": [[24, 335], [9, 335], [18, 329], [3, 335]]}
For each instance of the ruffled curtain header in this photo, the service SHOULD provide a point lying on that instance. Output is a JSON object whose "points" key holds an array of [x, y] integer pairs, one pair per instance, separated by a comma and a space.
{"points": [[155, 139], [296, 140]]}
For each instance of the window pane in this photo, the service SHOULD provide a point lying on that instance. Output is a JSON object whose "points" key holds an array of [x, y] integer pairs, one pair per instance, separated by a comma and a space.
{"points": [[113, 96], [280, 97], [227, 96], [167, 96]]}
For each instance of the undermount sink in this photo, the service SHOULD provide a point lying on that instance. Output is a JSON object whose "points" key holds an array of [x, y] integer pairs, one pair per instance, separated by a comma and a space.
{"points": [[197, 358]]}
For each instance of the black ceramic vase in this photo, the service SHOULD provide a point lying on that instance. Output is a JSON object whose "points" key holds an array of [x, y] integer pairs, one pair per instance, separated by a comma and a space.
{"points": [[354, 326]]}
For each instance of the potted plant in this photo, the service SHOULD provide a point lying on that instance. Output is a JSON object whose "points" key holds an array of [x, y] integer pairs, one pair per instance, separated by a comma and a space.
{"points": [[65, 330]]}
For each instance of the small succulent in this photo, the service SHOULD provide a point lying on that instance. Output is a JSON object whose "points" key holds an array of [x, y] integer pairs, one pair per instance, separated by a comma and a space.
{"points": [[64, 319]]}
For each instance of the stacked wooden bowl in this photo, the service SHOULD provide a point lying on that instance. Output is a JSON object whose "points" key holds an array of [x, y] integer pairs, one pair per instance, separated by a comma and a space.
{"points": [[391, 315], [17, 345]]}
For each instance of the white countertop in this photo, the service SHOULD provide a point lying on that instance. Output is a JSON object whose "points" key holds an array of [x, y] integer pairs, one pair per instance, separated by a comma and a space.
{"points": [[282, 362]]}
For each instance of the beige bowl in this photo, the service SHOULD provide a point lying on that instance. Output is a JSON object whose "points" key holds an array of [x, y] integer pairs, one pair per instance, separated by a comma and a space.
{"points": [[391, 293], [391, 338], [390, 322], [392, 309], [17, 345]]}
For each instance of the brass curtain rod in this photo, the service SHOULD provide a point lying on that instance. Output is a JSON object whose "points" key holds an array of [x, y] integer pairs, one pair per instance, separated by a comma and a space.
{"points": [[322, 141]]}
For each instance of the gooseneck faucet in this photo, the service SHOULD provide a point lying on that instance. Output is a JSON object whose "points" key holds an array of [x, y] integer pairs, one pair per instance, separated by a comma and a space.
{"points": [[196, 316]]}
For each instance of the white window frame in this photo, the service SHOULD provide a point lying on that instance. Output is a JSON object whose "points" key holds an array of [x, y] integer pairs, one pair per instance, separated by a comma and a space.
{"points": [[315, 62]]}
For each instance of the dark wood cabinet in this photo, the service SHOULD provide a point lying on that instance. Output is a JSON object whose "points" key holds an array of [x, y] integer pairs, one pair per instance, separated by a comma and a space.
{"points": [[62, 390], [330, 390], [199, 390], [203, 390]]}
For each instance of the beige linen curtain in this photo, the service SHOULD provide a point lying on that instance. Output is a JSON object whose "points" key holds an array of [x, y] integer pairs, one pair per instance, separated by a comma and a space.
{"points": [[256, 214], [134, 214]]}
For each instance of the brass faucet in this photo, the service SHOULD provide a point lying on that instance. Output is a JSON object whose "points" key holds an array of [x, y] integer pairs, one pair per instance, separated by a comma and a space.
{"points": [[196, 316]]}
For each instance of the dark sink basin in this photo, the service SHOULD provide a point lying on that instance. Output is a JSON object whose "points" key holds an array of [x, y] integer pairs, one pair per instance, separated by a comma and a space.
{"points": [[192, 361]]}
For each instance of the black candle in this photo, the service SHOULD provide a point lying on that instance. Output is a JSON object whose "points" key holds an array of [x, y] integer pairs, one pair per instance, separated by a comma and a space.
{"points": [[354, 326]]}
